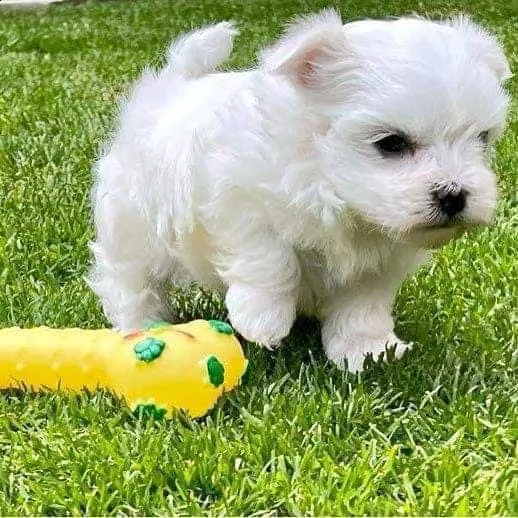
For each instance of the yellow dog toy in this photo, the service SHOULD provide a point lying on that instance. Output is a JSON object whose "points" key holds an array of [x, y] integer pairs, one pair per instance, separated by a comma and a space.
{"points": [[161, 368]]}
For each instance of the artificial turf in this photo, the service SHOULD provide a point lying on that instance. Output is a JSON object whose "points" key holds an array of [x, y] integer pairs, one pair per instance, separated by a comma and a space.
{"points": [[435, 433]]}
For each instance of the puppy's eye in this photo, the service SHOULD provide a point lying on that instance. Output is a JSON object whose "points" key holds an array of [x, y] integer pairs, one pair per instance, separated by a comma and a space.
{"points": [[393, 145], [484, 137]]}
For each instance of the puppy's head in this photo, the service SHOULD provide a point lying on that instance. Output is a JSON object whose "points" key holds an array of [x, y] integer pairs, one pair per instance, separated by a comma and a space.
{"points": [[412, 108]]}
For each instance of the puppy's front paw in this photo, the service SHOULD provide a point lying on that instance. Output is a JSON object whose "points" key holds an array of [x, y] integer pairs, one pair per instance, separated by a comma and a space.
{"points": [[258, 316], [350, 352]]}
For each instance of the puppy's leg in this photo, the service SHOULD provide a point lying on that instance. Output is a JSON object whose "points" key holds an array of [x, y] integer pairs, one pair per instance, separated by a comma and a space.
{"points": [[357, 322], [263, 280], [131, 268]]}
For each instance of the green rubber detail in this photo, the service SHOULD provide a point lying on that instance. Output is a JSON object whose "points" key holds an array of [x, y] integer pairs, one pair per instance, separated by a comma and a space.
{"points": [[156, 324], [221, 327], [149, 410], [216, 371], [148, 349]]}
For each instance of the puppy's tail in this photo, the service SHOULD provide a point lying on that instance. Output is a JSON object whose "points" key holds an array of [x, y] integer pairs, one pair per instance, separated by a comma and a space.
{"points": [[200, 52]]}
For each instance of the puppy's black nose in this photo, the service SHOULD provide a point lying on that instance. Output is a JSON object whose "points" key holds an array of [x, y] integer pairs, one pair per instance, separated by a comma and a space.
{"points": [[452, 204], [451, 199]]}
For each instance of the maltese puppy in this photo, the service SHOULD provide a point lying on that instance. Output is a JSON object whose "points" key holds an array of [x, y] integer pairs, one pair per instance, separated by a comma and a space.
{"points": [[312, 184]]}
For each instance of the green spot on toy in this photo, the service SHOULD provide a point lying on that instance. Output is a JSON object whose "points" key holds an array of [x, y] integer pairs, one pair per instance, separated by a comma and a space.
{"points": [[221, 327], [149, 410], [156, 324], [149, 349], [216, 371]]}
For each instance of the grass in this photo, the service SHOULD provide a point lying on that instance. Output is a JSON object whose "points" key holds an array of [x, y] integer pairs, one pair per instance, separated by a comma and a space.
{"points": [[435, 434]]}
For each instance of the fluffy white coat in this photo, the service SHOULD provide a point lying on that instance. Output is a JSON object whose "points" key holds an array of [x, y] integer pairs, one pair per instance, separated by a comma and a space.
{"points": [[268, 184]]}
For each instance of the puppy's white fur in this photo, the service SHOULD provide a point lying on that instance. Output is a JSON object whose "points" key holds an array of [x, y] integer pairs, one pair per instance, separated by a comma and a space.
{"points": [[267, 184]]}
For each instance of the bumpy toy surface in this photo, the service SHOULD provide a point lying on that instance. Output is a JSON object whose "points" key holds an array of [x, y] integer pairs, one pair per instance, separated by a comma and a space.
{"points": [[156, 370]]}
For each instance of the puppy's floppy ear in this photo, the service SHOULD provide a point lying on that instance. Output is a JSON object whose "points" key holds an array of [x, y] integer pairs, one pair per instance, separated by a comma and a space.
{"points": [[485, 46], [310, 50]]}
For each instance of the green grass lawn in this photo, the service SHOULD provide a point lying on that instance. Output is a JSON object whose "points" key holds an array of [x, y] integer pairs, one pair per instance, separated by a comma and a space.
{"points": [[435, 433]]}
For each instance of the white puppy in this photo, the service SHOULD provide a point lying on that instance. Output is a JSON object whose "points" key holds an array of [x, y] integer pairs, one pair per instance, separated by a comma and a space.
{"points": [[312, 183]]}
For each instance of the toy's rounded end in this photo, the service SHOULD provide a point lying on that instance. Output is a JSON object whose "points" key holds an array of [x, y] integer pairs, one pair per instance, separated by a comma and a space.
{"points": [[180, 367]]}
